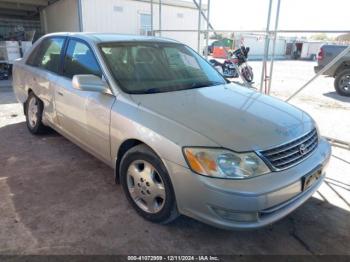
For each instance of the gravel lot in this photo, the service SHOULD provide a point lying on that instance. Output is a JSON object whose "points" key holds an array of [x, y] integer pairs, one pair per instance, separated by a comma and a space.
{"points": [[57, 199]]}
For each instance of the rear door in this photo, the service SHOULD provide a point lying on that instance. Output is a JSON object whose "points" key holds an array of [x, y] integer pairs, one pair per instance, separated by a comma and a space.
{"points": [[83, 115], [43, 70]]}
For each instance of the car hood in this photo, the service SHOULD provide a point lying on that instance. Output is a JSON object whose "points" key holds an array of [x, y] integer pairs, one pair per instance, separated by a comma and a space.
{"points": [[232, 116]]}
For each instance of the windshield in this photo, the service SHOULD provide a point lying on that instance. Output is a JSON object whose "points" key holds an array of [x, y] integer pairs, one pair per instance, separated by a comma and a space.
{"points": [[149, 67]]}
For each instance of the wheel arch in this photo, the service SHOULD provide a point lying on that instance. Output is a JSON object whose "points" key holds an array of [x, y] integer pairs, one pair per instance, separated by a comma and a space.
{"points": [[123, 148], [25, 102], [343, 66], [30, 90]]}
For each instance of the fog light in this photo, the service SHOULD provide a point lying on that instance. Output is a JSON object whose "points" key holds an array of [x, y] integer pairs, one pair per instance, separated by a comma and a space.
{"points": [[236, 216]]}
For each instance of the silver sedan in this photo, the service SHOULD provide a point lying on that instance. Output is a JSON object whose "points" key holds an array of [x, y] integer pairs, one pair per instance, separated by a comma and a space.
{"points": [[181, 139]]}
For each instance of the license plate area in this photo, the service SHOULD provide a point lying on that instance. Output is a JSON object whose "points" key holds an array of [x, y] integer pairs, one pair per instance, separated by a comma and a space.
{"points": [[309, 179]]}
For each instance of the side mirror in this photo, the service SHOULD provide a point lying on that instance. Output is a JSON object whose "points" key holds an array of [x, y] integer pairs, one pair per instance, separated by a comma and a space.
{"points": [[89, 83]]}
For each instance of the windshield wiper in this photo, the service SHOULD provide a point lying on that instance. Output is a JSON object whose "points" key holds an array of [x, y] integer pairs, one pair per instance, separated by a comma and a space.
{"points": [[152, 90], [206, 84], [149, 91], [163, 90]]}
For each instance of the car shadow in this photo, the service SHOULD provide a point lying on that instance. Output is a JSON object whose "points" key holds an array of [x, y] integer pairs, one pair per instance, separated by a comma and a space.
{"points": [[58, 199], [335, 96]]}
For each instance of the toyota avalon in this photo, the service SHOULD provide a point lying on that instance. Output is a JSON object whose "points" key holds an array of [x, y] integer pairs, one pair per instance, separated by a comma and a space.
{"points": [[180, 138]]}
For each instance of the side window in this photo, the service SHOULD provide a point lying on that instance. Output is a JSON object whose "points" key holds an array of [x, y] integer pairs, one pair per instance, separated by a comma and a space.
{"points": [[47, 54], [80, 60], [34, 55]]}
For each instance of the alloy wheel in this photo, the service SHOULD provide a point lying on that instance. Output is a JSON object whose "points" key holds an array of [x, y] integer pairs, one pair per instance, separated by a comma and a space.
{"points": [[146, 186], [32, 111], [344, 83]]}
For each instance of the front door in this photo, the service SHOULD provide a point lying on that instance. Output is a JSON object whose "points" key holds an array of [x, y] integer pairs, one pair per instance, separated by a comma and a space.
{"points": [[83, 115]]}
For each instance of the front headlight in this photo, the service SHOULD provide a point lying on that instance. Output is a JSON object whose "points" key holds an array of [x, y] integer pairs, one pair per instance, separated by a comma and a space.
{"points": [[223, 163]]}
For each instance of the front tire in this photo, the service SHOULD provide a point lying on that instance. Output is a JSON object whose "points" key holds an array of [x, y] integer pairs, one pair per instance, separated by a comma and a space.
{"points": [[147, 185], [342, 83], [33, 111]]}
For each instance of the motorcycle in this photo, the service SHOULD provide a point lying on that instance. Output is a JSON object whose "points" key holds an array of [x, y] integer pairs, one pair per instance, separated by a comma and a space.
{"points": [[238, 60]]}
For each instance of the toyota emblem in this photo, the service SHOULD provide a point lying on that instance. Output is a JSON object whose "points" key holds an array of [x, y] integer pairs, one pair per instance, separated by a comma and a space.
{"points": [[302, 149]]}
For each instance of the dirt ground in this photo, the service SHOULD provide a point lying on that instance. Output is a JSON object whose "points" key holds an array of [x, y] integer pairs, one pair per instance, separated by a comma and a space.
{"points": [[57, 199]]}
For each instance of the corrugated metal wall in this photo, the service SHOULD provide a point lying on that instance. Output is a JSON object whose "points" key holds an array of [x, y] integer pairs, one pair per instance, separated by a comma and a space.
{"points": [[61, 16]]}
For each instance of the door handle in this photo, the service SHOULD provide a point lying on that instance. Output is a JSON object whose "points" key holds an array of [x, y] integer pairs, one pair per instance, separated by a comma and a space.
{"points": [[60, 93]]}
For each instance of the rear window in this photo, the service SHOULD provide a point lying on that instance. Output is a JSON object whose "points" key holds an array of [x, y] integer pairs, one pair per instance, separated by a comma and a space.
{"points": [[47, 55]]}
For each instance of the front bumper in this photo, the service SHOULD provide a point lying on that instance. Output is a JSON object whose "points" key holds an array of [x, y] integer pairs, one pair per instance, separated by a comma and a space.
{"points": [[330, 72], [249, 203]]}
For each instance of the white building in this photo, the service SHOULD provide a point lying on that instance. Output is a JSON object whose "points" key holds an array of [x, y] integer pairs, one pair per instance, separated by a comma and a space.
{"points": [[256, 43], [124, 17]]}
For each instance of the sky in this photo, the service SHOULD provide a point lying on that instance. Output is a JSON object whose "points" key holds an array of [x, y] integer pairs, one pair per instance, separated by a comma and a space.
{"points": [[294, 14]]}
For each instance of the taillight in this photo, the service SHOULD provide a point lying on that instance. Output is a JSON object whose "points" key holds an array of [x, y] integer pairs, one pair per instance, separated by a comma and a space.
{"points": [[320, 54]]}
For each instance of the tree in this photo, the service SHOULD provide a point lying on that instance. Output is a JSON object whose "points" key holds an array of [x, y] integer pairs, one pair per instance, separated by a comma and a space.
{"points": [[343, 37], [217, 36], [321, 36]]}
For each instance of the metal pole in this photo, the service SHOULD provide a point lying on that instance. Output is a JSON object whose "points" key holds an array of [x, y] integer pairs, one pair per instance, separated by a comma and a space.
{"points": [[199, 25], [207, 40], [266, 47], [314, 31], [152, 17], [329, 65], [263, 32], [274, 45], [338, 143], [80, 15], [212, 30], [160, 17], [205, 18]]}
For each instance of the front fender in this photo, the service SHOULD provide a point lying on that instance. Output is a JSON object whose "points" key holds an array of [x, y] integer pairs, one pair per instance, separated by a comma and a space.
{"points": [[165, 136]]}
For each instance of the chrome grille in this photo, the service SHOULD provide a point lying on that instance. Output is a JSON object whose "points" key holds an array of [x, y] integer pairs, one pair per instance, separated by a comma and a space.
{"points": [[290, 154]]}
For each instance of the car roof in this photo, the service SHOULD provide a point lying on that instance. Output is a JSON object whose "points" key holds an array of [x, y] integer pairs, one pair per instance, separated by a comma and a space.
{"points": [[112, 37]]}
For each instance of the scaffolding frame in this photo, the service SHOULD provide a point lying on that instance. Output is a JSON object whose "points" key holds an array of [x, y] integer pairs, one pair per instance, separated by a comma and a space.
{"points": [[268, 34]]}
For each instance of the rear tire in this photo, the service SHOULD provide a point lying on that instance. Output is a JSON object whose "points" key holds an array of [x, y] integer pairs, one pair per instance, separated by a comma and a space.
{"points": [[342, 83], [33, 111], [149, 192]]}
